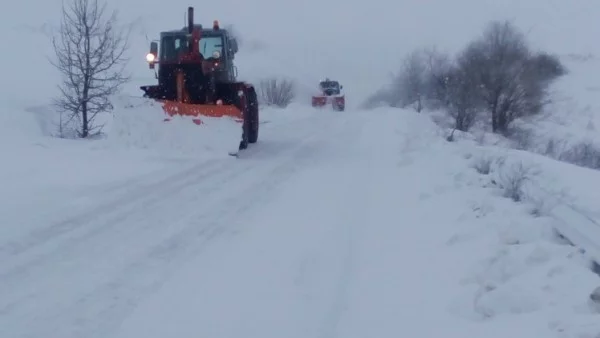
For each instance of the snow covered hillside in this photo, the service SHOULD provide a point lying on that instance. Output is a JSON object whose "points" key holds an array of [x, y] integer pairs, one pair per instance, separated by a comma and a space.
{"points": [[363, 223]]}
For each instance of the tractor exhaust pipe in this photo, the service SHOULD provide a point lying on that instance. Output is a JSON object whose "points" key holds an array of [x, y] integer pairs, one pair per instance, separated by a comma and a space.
{"points": [[190, 19]]}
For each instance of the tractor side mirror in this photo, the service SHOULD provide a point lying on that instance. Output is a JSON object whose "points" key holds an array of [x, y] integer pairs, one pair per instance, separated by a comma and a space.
{"points": [[153, 55], [233, 45], [341, 87]]}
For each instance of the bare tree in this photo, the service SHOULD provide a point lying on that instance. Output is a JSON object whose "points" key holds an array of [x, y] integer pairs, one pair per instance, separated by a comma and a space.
{"points": [[410, 84], [501, 63], [496, 74], [439, 67], [421, 82], [89, 52], [461, 101], [512, 81], [276, 92]]}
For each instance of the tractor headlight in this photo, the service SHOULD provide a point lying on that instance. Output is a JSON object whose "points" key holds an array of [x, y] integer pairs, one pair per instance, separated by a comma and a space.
{"points": [[216, 54], [150, 57]]}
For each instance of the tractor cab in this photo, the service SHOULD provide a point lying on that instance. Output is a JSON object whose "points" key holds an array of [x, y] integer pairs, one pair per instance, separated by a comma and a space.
{"points": [[215, 45], [330, 88]]}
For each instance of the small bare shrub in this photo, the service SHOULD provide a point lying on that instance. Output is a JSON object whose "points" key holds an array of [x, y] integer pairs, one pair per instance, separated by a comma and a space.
{"points": [[584, 154], [540, 205], [276, 92], [483, 164], [543, 201], [550, 148], [595, 295], [521, 137], [512, 180], [595, 300]]}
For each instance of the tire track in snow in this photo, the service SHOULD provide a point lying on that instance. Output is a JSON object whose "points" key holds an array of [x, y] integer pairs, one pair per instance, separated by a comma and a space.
{"points": [[212, 226], [355, 215], [116, 289], [331, 320], [359, 215], [121, 207], [137, 196], [199, 230], [84, 226], [145, 190], [117, 207]]}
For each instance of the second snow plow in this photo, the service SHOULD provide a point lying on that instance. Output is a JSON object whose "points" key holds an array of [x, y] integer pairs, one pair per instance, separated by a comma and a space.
{"points": [[330, 92], [197, 77]]}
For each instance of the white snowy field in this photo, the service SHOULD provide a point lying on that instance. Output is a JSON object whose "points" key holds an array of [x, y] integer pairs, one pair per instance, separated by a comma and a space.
{"points": [[347, 224]]}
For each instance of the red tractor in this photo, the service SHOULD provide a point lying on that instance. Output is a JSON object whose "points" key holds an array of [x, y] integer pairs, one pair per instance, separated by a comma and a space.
{"points": [[330, 93], [197, 77]]}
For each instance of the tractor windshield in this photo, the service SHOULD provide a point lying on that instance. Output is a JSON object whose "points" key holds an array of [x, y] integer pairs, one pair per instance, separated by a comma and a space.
{"points": [[330, 87], [211, 44], [172, 46]]}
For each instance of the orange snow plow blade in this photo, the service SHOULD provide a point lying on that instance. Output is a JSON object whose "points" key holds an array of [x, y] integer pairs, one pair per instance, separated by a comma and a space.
{"points": [[173, 108]]}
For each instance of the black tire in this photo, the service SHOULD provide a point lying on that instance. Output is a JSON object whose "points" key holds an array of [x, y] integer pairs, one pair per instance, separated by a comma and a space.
{"points": [[253, 115]]}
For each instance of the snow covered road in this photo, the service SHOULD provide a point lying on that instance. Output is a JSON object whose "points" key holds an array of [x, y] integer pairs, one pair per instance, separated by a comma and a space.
{"points": [[75, 275], [336, 225], [336, 250]]}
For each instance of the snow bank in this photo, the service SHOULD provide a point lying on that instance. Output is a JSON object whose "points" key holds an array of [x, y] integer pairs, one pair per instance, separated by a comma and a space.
{"points": [[525, 276], [519, 275], [60, 174], [18, 126], [136, 125], [523, 271], [140, 124]]}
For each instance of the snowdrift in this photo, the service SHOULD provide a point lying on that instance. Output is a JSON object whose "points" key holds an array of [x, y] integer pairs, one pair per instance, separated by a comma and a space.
{"points": [[18, 126], [140, 124], [522, 275]]}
